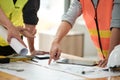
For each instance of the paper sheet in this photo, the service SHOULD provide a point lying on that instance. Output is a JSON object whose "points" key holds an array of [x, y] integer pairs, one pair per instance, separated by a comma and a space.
{"points": [[91, 71], [56, 70], [15, 44], [35, 72]]}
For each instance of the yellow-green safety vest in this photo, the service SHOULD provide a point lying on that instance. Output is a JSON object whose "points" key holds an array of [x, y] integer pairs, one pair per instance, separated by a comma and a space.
{"points": [[13, 12]]}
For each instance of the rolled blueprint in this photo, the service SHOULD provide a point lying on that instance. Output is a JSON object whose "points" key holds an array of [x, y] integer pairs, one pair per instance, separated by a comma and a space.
{"points": [[15, 44]]}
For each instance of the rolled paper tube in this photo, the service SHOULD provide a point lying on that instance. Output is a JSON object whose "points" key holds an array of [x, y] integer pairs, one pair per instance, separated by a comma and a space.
{"points": [[15, 44]]}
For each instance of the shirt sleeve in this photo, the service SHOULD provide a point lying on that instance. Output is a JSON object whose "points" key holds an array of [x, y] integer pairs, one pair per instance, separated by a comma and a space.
{"points": [[30, 12], [115, 22], [73, 12]]}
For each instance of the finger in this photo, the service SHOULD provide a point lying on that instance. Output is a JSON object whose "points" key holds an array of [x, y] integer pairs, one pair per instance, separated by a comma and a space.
{"points": [[49, 61], [57, 56], [99, 63], [23, 28], [18, 28], [103, 63], [40, 52], [34, 32], [52, 56], [9, 38], [19, 39], [27, 34]]}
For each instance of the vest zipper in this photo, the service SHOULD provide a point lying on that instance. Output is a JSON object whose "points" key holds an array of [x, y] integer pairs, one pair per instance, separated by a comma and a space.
{"points": [[14, 1], [98, 27]]}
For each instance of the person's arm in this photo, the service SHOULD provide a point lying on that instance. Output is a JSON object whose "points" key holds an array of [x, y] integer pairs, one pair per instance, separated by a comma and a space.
{"points": [[4, 20], [114, 41], [115, 31], [115, 26], [68, 20], [31, 19], [32, 30], [62, 31], [12, 32], [115, 38], [55, 48]]}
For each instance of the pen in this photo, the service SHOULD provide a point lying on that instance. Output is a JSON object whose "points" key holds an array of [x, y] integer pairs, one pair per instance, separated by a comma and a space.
{"points": [[84, 72]]}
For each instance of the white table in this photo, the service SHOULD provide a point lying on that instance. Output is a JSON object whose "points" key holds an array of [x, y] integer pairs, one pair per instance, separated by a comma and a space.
{"points": [[38, 72], [43, 71]]}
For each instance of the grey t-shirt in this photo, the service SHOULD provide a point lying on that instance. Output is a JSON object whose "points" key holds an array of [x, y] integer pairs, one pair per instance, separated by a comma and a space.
{"points": [[75, 11]]}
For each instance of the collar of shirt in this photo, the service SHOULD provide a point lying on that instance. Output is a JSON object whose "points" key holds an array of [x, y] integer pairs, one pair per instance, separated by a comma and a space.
{"points": [[95, 2]]}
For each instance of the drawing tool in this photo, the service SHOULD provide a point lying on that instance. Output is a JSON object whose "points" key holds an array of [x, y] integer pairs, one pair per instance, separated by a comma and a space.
{"points": [[91, 71]]}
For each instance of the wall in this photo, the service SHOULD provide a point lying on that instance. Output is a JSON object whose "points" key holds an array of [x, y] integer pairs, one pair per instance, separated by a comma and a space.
{"points": [[79, 27], [89, 48]]}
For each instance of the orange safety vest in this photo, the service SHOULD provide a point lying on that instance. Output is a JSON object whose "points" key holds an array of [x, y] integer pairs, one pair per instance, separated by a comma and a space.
{"points": [[98, 23]]}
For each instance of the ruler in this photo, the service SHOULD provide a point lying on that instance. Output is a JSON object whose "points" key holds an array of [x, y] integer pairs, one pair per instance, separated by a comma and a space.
{"points": [[6, 76]]}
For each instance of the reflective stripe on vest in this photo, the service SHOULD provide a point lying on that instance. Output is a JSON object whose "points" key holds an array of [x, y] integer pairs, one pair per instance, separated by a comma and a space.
{"points": [[13, 12], [103, 33], [103, 16]]}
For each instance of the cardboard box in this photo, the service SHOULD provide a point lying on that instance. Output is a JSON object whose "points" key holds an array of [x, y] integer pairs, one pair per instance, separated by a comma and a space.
{"points": [[71, 44]]}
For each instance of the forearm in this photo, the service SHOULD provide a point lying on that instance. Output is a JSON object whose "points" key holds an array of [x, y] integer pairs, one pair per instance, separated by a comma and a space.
{"points": [[62, 31], [68, 20], [115, 26], [31, 44], [32, 30], [4, 21], [115, 38]]}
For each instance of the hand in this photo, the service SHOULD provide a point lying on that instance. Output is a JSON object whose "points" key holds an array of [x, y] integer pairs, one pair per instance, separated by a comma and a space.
{"points": [[26, 32], [35, 52], [54, 52], [14, 33], [102, 63]]}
